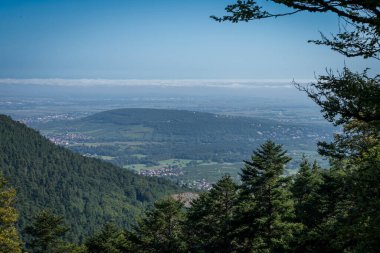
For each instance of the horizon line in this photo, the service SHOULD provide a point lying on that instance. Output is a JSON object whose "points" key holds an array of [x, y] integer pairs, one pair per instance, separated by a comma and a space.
{"points": [[212, 82]]}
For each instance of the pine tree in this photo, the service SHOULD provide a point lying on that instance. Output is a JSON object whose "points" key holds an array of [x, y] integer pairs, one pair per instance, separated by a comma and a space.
{"points": [[161, 230], [9, 239], [305, 191], [308, 204], [46, 233], [358, 226], [110, 239], [266, 212], [209, 220]]}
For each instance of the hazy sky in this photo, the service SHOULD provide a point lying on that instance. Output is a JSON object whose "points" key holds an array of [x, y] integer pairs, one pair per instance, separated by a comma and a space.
{"points": [[159, 39]]}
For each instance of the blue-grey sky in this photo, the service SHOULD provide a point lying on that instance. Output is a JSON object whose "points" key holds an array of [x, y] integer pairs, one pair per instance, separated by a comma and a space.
{"points": [[166, 39]]}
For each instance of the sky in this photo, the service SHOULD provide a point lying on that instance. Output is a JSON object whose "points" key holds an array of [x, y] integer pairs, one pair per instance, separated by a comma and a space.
{"points": [[166, 39]]}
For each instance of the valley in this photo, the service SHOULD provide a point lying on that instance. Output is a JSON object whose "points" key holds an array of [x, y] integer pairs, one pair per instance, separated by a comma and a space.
{"points": [[189, 137], [191, 148]]}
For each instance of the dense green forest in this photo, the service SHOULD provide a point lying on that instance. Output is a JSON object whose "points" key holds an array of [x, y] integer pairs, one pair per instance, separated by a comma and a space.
{"points": [[317, 210], [87, 192]]}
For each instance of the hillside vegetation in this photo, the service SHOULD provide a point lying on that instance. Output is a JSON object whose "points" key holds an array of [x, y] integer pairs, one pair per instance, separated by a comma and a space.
{"points": [[86, 191]]}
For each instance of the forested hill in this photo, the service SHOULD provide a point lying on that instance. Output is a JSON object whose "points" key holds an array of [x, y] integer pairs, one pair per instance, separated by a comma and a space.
{"points": [[144, 124], [179, 123], [87, 192], [146, 136]]}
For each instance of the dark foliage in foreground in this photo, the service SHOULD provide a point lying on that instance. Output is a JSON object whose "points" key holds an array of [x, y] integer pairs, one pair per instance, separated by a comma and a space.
{"points": [[316, 210]]}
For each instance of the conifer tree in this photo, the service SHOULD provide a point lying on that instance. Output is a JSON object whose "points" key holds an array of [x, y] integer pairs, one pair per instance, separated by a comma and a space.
{"points": [[46, 233], [331, 207], [266, 212], [308, 204], [209, 220], [358, 228], [305, 191], [110, 239], [9, 239], [161, 228]]}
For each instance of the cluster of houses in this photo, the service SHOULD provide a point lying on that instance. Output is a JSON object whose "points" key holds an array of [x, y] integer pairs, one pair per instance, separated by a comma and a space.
{"points": [[162, 172], [67, 139], [200, 184], [48, 118]]}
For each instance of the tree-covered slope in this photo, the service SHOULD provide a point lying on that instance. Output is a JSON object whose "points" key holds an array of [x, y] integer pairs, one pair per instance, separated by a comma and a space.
{"points": [[181, 124], [86, 191]]}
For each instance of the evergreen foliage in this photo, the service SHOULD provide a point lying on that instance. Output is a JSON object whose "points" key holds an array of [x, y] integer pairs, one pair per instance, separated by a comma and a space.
{"points": [[209, 225], [305, 190], [9, 238], [161, 230], [46, 233], [87, 192], [314, 211], [110, 239], [265, 217], [346, 197], [337, 210], [351, 100], [358, 226]]}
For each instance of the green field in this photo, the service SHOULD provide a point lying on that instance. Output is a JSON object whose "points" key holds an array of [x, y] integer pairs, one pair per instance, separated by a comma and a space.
{"points": [[212, 172], [180, 163]]}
